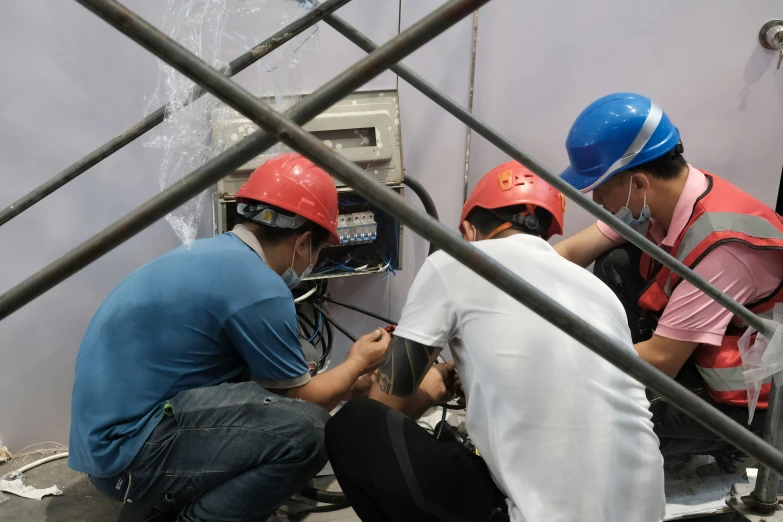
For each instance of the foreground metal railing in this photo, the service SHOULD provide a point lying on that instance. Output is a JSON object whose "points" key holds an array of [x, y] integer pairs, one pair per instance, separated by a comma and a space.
{"points": [[284, 127]]}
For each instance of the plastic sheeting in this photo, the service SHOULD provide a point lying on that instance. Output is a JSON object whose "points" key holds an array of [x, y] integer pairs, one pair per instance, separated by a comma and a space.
{"points": [[218, 31]]}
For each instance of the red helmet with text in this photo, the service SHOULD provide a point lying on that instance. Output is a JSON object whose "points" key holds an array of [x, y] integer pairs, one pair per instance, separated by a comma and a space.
{"points": [[509, 185]]}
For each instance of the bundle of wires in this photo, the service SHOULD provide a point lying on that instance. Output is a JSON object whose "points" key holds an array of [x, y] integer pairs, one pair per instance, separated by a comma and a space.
{"points": [[316, 328], [377, 256]]}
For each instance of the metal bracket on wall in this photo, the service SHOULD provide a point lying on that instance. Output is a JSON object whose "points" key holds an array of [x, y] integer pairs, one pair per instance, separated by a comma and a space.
{"points": [[771, 37]]}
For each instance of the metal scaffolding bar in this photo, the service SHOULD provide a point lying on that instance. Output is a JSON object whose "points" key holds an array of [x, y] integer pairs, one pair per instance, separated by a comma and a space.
{"points": [[580, 199], [767, 481], [389, 201], [156, 118], [233, 158]]}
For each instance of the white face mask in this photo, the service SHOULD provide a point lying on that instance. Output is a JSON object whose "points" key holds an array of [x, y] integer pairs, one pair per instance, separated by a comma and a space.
{"points": [[290, 276], [640, 224]]}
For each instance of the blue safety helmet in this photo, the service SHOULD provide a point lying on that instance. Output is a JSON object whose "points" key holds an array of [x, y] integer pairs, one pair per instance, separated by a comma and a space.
{"points": [[615, 133]]}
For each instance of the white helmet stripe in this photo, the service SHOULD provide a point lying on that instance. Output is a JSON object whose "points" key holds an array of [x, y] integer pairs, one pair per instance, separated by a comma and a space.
{"points": [[644, 135]]}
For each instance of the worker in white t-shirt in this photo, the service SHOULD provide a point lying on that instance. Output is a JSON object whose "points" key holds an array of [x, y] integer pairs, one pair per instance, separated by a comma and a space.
{"points": [[563, 435]]}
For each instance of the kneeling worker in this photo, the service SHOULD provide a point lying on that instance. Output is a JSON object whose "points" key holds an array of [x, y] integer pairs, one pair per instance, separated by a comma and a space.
{"points": [[563, 435], [626, 151], [162, 413]]}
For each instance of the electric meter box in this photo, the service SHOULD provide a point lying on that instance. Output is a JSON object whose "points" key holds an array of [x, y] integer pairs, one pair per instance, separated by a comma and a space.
{"points": [[365, 129]]}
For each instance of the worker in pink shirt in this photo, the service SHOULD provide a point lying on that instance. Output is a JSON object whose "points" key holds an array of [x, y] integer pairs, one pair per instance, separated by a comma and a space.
{"points": [[625, 150]]}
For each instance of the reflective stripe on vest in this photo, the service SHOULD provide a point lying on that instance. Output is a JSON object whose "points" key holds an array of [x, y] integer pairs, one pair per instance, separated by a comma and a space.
{"points": [[722, 214], [710, 222], [725, 379]]}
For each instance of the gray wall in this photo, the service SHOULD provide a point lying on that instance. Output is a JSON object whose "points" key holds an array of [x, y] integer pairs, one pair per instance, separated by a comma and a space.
{"points": [[541, 63]]}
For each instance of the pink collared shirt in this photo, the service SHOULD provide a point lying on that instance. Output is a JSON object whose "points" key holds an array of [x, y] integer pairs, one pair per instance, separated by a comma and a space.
{"points": [[741, 272]]}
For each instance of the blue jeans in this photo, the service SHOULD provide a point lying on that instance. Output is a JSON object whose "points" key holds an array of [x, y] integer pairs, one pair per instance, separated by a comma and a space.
{"points": [[229, 453]]}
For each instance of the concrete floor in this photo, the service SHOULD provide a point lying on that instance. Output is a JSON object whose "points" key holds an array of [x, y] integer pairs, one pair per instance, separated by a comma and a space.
{"points": [[80, 502]]}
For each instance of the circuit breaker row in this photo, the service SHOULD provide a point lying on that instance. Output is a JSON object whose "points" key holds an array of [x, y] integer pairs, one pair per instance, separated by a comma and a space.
{"points": [[357, 228]]}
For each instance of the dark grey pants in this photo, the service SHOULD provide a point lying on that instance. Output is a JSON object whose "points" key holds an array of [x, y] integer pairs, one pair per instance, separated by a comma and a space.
{"points": [[229, 453], [679, 434], [393, 470]]}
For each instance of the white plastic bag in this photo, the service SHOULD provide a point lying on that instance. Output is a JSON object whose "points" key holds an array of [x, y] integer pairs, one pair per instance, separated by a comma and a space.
{"points": [[218, 31], [762, 360]]}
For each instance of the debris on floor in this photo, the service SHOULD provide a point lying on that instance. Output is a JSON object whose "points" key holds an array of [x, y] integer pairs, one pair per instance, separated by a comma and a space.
{"points": [[16, 487], [5, 454]]}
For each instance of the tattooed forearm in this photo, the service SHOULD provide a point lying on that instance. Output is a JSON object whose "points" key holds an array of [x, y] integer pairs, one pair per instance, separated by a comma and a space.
{"points": [[404, 366]]}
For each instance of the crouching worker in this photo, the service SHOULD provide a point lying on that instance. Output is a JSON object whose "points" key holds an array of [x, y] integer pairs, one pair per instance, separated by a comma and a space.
{"points": [[563, 435], [625, 150], [189, 376]]}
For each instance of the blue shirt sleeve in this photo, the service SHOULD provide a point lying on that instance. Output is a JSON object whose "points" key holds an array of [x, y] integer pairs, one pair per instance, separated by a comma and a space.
{"points": [[266, 336]]}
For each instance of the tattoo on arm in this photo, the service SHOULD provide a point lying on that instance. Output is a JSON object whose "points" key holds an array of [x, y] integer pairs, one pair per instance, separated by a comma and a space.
{"points": [[404, 366]]}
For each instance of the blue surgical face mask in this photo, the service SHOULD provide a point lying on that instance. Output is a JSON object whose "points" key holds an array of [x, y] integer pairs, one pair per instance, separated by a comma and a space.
{"points": [[640, 224], [290, 276]]}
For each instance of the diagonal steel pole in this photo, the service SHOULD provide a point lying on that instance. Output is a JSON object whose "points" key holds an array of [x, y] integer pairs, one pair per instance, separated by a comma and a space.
{"points": [[619, 354], [233, 158], [156, 118], [583, 201]]}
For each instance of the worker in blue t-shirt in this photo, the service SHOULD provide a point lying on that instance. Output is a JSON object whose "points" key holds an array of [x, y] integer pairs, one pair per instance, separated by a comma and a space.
{"points": [[160, 413]]}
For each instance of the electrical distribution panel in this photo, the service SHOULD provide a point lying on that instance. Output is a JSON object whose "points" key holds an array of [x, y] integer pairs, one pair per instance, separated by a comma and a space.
{"points": [[364, 128]]}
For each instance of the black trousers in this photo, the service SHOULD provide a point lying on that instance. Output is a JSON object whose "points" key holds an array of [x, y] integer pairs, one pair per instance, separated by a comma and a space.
{"points": [[391, 469], [679, 434]]}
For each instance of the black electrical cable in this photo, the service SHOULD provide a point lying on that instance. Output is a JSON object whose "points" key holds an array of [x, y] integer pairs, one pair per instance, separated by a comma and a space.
{"points": [[329, 343], [320, 495], [442, 422], [357, 309], [337, 325], [315, 338], [305, 333], [426, 200], [307, 323], [325, 325], [319, 338], [327, 509]]}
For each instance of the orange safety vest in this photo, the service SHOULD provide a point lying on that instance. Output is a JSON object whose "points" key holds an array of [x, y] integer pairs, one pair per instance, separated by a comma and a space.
{"points": [[722, 214]]}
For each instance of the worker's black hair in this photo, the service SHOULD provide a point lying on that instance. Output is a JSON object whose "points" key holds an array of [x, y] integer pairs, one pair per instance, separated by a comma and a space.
{"points": [[486, 220], [668, 166], [274, 234]]}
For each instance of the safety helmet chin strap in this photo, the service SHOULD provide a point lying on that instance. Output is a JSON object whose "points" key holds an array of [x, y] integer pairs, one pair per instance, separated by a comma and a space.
{"points": [[525, 221], [498, 230]]}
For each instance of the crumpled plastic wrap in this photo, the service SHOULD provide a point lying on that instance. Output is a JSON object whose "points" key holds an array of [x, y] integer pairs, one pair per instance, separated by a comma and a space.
{"points": [[219, 31], [762, 360]]}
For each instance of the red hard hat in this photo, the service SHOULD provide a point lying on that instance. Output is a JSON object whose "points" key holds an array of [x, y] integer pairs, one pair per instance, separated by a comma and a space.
{"points": [[294, 183], [512, 184]]}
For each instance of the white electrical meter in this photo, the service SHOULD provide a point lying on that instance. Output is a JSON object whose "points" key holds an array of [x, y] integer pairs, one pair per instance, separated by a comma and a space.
{"points": [[363, 127]]}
